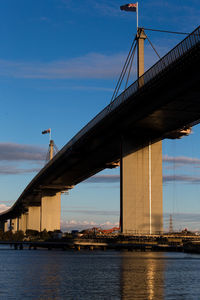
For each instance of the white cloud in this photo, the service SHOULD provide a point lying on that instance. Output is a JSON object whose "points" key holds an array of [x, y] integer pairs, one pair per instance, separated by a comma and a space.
{"points": [[3, 207], [80, 225]]}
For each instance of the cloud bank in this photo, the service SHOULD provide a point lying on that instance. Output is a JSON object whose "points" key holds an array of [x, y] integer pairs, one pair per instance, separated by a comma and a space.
{"points": [[13, 155], [93, 212], [3, 207], [80, 225], [18, 152], [14, 170], [91, 65], [181, 178], [181, 160]]}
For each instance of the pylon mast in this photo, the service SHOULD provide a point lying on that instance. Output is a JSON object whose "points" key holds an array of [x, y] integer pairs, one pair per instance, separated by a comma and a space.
{"points": [[51, 146], [141, 36]]}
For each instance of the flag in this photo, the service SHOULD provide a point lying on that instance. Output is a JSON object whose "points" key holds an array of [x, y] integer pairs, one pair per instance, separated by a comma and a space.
{"points": [[129, 7], [46, 131]]}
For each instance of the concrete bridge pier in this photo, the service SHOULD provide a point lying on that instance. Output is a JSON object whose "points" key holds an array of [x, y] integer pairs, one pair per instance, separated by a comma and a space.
{"points": [[23, 222], [46, 215], [14, 224], [141, 190], [50, 210], [33, 218], [6, 226]]}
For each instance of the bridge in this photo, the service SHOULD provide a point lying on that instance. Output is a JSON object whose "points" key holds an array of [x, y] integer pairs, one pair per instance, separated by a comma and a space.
{"points": [[128, 132]]}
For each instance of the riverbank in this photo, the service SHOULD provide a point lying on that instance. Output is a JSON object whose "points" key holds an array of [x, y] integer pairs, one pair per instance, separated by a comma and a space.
{"points": [[133, 243]]}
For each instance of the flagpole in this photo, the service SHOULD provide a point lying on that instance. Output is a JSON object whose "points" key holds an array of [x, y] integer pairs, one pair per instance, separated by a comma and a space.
{"points": [[137, 16]]}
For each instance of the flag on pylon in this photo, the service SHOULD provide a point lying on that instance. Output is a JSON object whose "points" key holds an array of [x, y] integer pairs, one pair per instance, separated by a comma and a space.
{"points": [[129, 7], [46, 131]]}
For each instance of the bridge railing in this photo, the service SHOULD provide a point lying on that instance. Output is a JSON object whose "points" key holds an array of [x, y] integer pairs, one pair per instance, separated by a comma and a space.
{"points": [[183, 47], [187, 44]]}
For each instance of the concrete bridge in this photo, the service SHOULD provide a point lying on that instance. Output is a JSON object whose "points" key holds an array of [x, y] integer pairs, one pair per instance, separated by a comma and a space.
{"points": [[128, 131]]}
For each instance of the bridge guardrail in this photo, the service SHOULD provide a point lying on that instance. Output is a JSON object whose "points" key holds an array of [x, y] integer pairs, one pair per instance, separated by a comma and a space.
{"points": [[188, 43]]}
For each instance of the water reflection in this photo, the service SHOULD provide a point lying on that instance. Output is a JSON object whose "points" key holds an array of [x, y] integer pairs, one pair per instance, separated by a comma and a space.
{"points": [[89, 275], [142, 275]]}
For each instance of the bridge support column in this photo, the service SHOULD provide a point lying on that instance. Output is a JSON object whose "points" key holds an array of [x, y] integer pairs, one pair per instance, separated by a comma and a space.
{"points": [[50, 210], [141, 190], [23, 222], [47, 214], [14, 224], [6, 224], [34, 218]]}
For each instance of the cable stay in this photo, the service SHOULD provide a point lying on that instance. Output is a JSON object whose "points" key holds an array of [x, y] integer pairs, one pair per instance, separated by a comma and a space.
{"points": [[129, 61], [128, 66], [153, 47], [166, 31]]}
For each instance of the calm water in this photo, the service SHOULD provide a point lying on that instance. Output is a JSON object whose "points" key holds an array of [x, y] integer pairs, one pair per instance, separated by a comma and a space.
{"points": [[44, 274]]}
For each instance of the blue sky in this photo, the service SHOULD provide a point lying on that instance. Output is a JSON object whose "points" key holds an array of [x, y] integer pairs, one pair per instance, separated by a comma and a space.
{"points": [[59, 63]]}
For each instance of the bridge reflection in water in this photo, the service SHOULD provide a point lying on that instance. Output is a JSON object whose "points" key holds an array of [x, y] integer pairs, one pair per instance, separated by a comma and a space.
{"points": [[90, 275], [142, 275]]}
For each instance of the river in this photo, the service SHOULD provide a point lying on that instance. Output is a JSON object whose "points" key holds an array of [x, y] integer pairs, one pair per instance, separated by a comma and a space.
{"points": [[43, 274]]}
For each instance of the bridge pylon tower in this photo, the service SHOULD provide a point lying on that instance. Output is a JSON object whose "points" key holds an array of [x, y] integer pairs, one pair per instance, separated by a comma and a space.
{"points": [[141, 208]]}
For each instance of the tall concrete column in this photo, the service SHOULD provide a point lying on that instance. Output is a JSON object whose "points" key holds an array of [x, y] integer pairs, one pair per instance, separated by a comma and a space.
{"points": [[34, 218], [23, 222], [141, 190], [14, 224], [47, 215], [50, 211], [6, 224], [141, 177], [141, 36]]}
